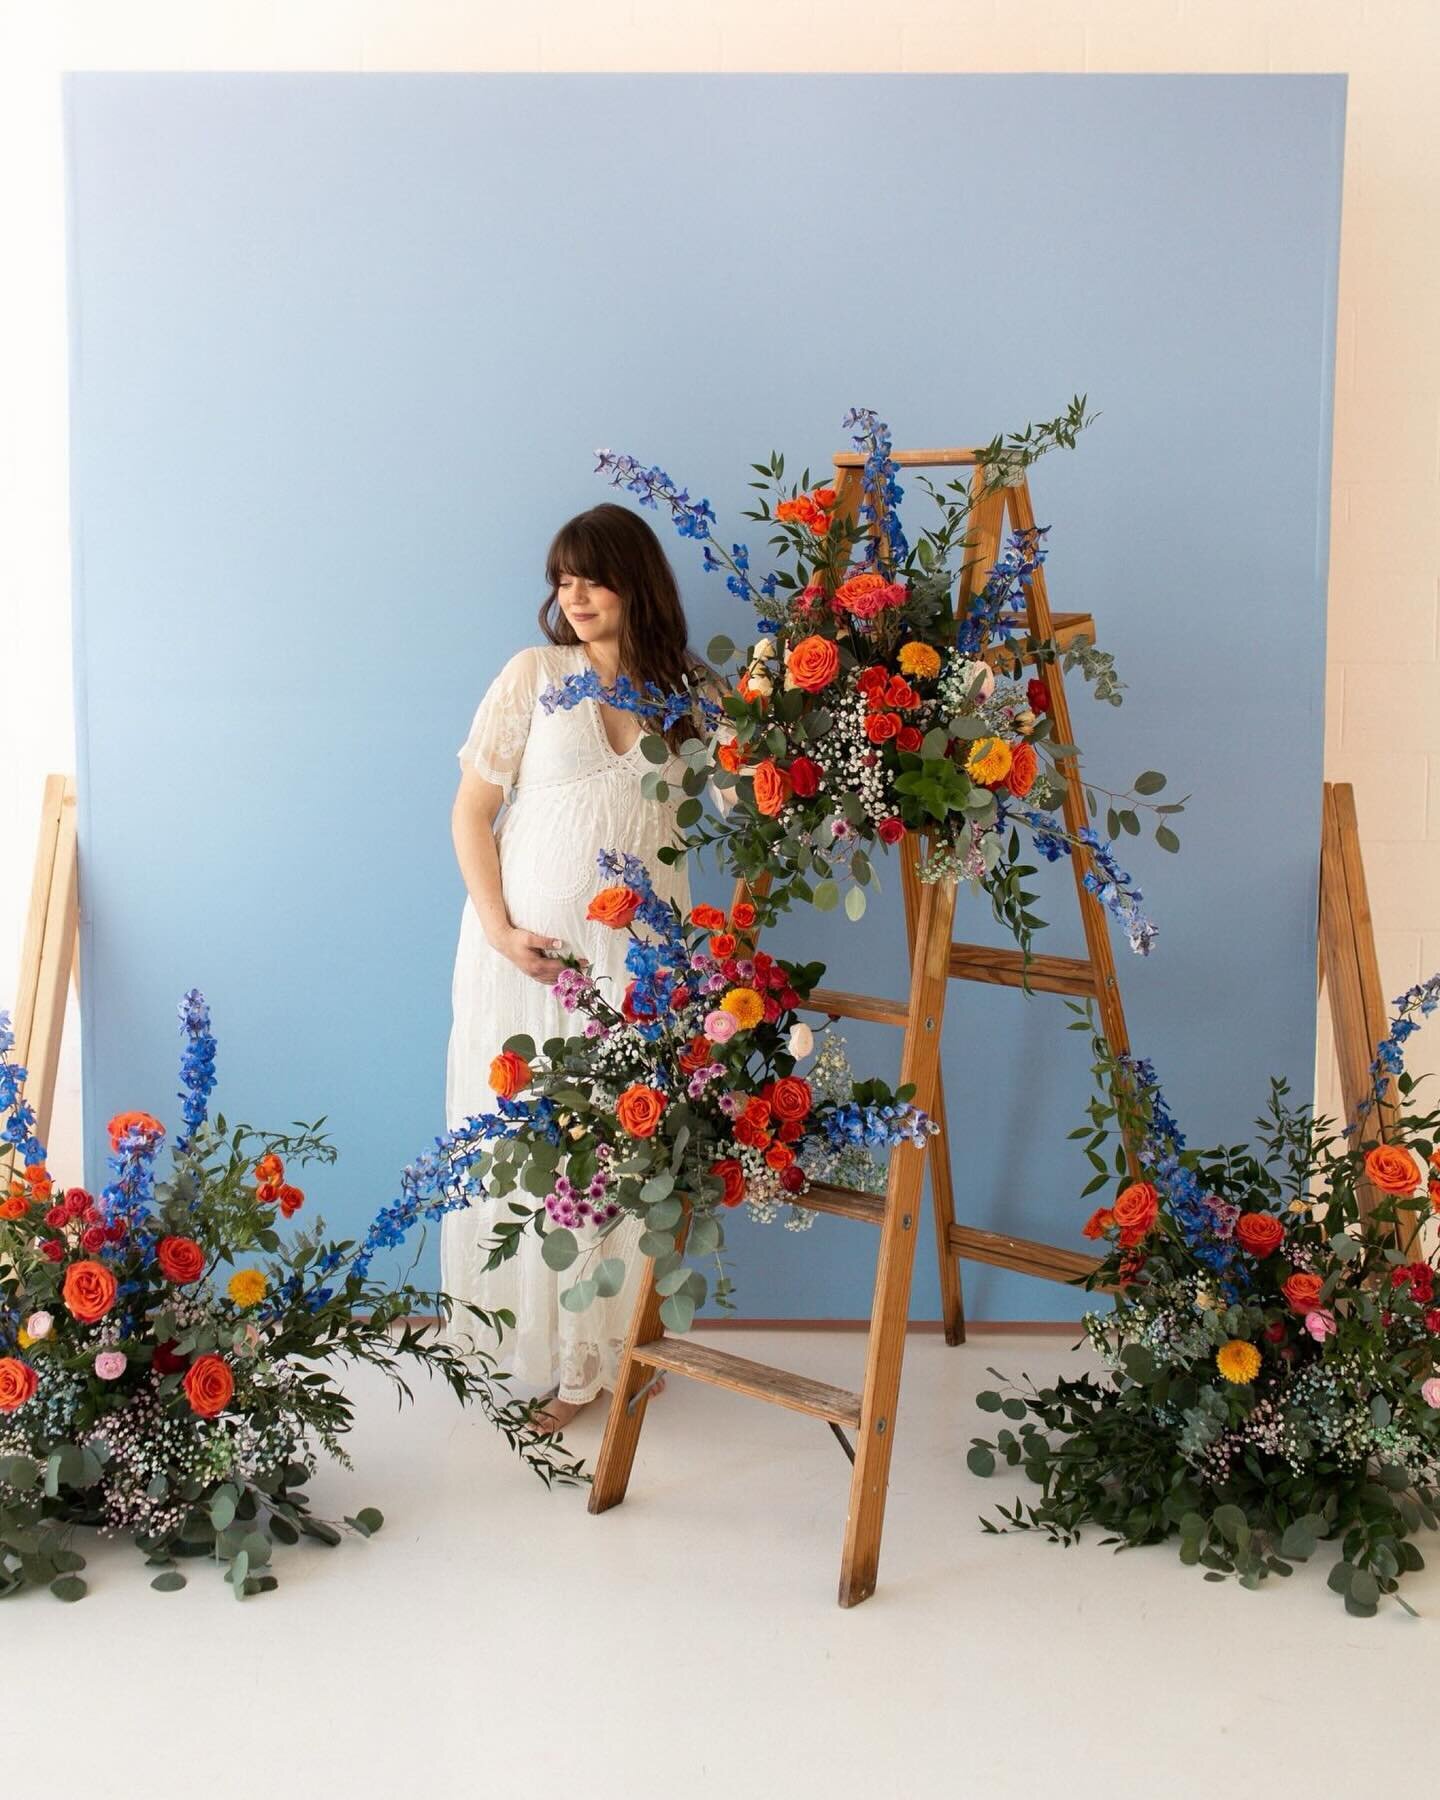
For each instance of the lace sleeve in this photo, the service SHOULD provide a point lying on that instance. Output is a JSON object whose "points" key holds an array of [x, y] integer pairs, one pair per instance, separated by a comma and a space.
{"points": [[496, 742]]}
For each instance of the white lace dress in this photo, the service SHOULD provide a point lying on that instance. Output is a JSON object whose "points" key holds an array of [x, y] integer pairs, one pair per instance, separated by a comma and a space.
{"points": [[568, 795]]}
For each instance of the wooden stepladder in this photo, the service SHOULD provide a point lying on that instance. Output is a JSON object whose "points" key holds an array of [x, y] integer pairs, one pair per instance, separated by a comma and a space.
{"points": [[935, 959]]}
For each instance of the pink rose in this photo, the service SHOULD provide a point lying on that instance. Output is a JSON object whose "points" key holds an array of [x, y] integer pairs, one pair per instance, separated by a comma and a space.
{"points": [[720, 1026], [1320, 1324], [110, 1365], [1430, 1391]]}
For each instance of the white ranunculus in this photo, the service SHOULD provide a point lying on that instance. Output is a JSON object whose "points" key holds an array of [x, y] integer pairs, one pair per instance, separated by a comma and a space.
{"points": [[759, 683], [39, 1325], [802, 1039], [979, 679], [764, 650]]}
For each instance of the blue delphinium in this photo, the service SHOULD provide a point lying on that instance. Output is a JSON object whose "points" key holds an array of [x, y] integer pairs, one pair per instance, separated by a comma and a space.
{"points": [[997, 611], [651, 703], [1111, 885], [197, 1065], [19, 1128]]}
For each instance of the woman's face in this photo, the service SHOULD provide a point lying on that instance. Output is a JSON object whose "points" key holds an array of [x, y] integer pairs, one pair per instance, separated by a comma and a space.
{"points": [[594, 611]]}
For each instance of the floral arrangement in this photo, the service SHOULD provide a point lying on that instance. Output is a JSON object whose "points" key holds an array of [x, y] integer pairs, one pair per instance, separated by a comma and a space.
{"points": [[1273, 1356], [673, 1102], [865, 708], [162, 1344]]}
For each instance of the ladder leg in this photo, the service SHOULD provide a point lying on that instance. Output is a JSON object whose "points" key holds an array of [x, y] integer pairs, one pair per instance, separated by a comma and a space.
{"points": [[885, 1353], [622, 1426]]}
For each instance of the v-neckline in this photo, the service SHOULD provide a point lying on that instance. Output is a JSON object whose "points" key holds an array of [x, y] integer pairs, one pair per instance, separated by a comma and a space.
{"points": [[599, 717]]}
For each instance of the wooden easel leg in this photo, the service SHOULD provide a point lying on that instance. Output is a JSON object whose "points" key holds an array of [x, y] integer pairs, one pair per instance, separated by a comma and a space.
{"points": [[889, 1315], [622, 1426]]}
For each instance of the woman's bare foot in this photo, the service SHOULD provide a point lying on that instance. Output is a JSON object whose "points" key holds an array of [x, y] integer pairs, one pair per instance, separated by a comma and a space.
{"points": [[555, 1415]]}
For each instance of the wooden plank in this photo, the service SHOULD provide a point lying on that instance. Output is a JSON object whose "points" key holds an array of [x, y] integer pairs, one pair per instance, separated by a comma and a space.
{"points": [[911, 459], [47, 957], [841, 1005], [781, 1387], [1022, 1254], [895, 1262], [1008, 968], [844, 1202], [1066, 630]]}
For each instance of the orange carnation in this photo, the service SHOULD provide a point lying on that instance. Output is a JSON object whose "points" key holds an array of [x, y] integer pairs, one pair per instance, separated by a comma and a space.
{"points": [[209, 1385], [88, 1291], [772, 787], [614, 906], [639, 1109], [1135, 1211], [1392, 1169], [813, 663], [509, 1074], [18, 1382], [1024, 766]]}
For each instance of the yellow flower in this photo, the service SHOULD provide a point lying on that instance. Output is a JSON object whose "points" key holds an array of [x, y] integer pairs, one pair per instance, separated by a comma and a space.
{"points": [[247, 1287], [989, 760], [920, 660], [1238, 1361], [23, 1338], [745, 1006]]}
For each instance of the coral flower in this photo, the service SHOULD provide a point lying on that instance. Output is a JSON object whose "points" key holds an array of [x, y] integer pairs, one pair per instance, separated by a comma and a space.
{"points": [[1392, 1169], [1024, 766], [813, 664], [989, 760], [126, 1122], [1238, 1361], [209, 1386], [639, 1109], [88, 1291], [868, 594], [745, 1006], [772, 787]]}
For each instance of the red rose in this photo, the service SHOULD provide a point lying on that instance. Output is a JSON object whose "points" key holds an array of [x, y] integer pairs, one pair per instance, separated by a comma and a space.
{"points": [[728, 1171], [165, 1361], [94, 1239], [898, 692], [209, 1385], [115, 1231], [57, 1217], [890, 831], [1275, 1331], [1038, 694], [880, 727], [791, 1131], [872, 683], [76, 1203], [779, 1156], [1260, 1233], [181, 1260], [1432, 1319], [792, 1179], [804, 777], [909, 737], [53, 1250], [291, 1200], [695, 1055]]}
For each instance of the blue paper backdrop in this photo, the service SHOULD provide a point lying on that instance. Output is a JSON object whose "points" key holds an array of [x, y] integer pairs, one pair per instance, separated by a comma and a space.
{"points": [[343, 348]]}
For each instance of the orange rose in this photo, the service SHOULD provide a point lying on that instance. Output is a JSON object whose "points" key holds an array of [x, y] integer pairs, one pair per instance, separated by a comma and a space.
{"points": [[181, 1260], [772, 787], [813, 663], [88, 1291], [753, 1125], [728, 1171], [1392, 1169], [124, 1122], [1135, 1211], [1260, 1233], [613, 906], [291, 1199], [742, 915], [1099, 1222], [790, 1097], [269, 1169], [696, 1055], [15, 1207], [208, 1385], [722, 945], [708, 918], [639, 1109], [1302, 1292], [779, 1156], [1024, 766], [509, 1074], [18, 1382], [732, 757]]}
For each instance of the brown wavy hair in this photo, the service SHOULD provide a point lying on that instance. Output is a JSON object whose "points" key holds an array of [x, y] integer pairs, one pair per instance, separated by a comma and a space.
{"points": [[616, 548]]}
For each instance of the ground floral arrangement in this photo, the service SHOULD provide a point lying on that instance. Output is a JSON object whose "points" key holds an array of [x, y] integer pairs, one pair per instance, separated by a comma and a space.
{"points": [[865, 708], [673, 1102], [162, 1344], [1273, 1354]]}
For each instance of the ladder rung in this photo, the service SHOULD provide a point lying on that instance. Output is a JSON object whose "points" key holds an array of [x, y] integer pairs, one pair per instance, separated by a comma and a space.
{"points": [[738, 1373], [1006, 968], [858, 1006], [1022, 1254], [1065, 629], [846, 1203]]}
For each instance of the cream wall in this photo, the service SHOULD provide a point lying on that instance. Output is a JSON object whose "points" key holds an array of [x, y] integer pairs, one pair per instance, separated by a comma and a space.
{"points": [[1383, 678]]}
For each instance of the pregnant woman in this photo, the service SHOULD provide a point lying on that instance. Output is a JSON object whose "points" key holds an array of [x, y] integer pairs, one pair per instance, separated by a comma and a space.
{"points": [[569, 785]]}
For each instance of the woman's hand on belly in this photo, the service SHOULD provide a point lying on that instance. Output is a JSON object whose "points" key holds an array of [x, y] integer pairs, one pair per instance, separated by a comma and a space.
{"points": [[527, 950]]}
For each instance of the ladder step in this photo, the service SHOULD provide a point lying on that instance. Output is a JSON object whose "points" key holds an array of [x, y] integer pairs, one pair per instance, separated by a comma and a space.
{"points": [[858, 1006], [738, 1373], [1006, 968], [1023, 1254], [844, 1202], [1065, 628]]}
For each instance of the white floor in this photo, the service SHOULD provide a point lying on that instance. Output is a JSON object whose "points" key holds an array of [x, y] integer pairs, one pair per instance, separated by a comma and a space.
{"points": [[496, 1639]]}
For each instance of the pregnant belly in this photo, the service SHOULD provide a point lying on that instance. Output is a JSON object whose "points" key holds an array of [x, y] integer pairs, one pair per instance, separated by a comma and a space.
{"points": [[547, 854]]}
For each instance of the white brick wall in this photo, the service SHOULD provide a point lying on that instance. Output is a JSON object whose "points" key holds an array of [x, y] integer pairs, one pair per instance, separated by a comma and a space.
{"points": [[1383, 676]]}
